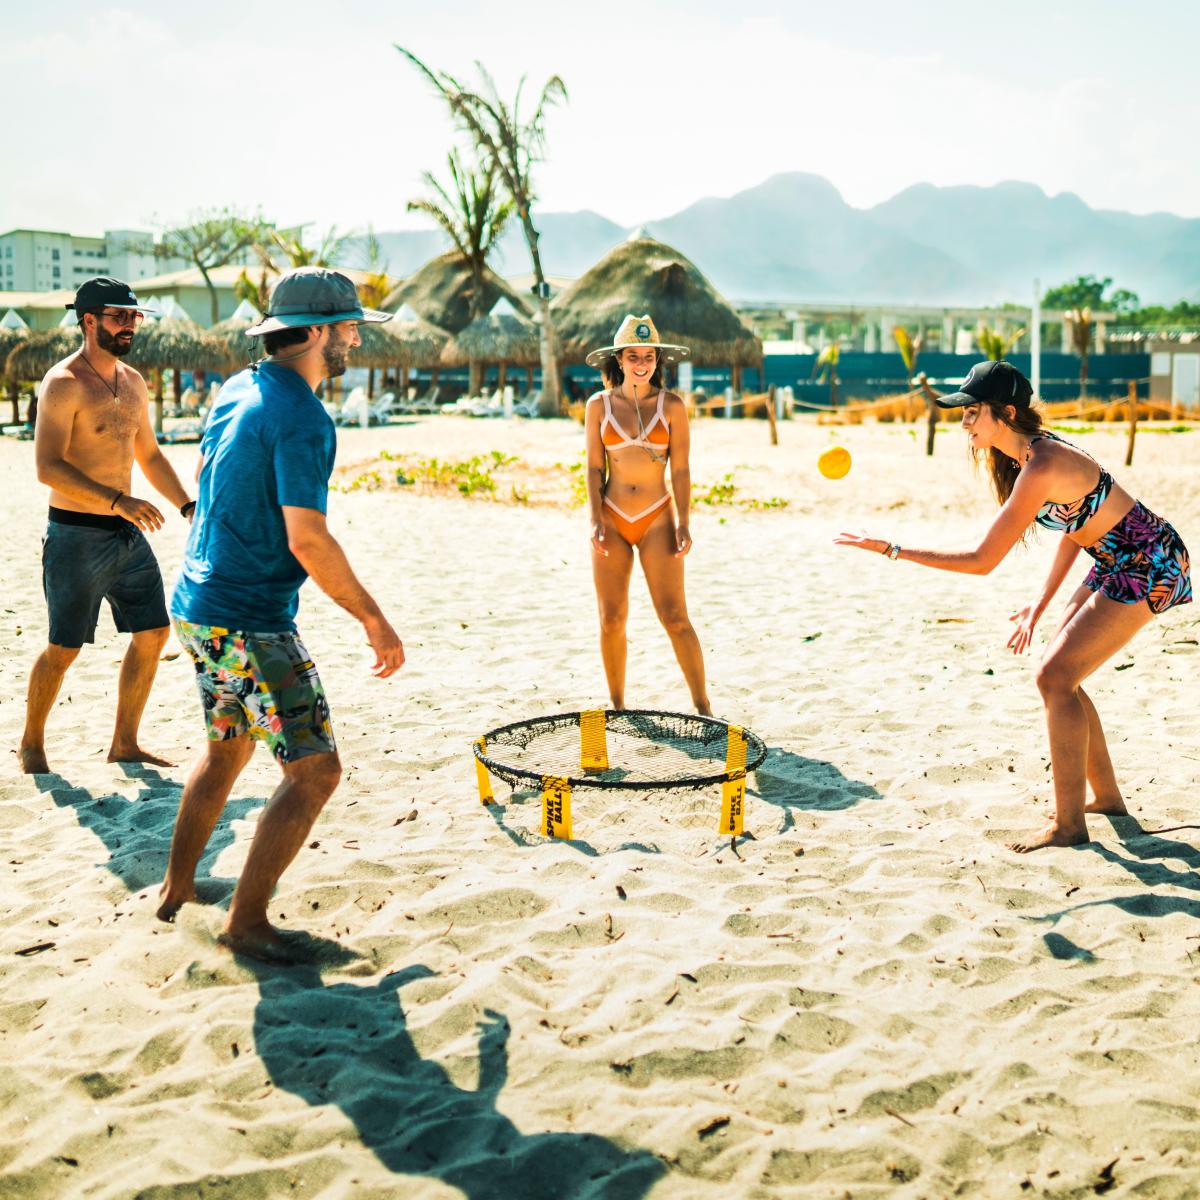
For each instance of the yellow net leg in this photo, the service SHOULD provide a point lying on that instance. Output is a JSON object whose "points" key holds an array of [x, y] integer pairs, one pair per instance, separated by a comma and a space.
{"points": [[593, 746], [556, 807], [482, 777], [733, 791]]}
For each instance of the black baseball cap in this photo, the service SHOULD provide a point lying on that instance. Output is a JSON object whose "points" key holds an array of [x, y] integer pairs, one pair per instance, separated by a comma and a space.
{"points": [[996, 382], [105, 292]]}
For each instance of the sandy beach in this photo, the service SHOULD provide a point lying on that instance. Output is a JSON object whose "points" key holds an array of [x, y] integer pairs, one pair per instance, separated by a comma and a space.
{"points": [[869, 996]]}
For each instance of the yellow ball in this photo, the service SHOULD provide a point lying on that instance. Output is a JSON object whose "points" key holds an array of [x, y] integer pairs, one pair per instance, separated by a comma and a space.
{"points": [[834, 462]]}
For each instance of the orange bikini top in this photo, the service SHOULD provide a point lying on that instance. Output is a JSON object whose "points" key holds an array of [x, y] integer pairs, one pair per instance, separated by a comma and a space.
{"points": [[619, 438]]}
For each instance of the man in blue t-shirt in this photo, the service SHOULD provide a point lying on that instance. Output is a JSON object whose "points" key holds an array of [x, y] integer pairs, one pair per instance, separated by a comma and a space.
{"points": [[259, 532]]}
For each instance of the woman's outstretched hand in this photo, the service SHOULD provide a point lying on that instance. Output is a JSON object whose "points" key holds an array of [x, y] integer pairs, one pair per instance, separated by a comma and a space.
{"points": [[683, 541], [598, 538], [1026, 618], [875, 545]]}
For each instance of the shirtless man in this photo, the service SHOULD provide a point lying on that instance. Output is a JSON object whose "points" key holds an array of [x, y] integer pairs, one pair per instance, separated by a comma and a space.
{"points": [[93, 422]]}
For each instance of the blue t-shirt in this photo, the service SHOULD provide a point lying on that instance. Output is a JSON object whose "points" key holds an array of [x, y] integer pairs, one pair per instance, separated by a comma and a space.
{"points": [[268, 442]]}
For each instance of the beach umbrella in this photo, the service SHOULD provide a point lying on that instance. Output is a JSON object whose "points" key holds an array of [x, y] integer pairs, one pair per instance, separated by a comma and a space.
{"points": [[9, 340], [171, 344], [443, 290], [505, 337], [643, 275]]}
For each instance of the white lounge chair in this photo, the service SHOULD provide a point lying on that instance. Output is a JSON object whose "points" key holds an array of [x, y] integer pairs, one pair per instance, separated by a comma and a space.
{"points": [[530, 404]]}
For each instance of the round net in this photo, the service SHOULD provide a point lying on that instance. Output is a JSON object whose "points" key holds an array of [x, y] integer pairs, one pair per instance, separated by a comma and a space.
{"points": [[636, 749]]}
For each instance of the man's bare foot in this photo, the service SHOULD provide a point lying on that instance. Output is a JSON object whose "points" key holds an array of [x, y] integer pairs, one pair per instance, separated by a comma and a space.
{"points": [[270, 945], [33, 760], [135, 754], [169, 903], [1110, 808], [1052, 836]]}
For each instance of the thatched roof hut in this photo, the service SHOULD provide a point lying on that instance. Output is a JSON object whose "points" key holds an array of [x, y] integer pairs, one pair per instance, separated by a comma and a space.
{"points": [[36, 354], [238, 349], [645, 276], [504, 336], [10, 339], [443, 289], [176, 344]]}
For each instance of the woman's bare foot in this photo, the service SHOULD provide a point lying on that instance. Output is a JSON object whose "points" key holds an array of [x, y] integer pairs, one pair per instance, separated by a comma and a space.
{"points": [[1051, 836], [135, 754], [33, 760], [169, 903], [1111, 807]]}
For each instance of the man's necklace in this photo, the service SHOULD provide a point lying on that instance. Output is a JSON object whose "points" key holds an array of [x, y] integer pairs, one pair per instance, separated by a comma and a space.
{"points": [[113, 387]]}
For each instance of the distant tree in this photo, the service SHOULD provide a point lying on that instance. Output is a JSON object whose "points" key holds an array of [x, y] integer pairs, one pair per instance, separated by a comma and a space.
{"points": [[473, 213], [1086, 291], [826, 365], [209, 240], [513, 145]]}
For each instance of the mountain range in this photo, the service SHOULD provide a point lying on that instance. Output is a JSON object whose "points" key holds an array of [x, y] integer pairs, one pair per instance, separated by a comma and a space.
{"points": [[794, 238]]}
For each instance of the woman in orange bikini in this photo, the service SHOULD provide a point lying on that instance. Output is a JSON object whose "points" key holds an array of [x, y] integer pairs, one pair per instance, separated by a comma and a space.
{"points": [[633, 428]]}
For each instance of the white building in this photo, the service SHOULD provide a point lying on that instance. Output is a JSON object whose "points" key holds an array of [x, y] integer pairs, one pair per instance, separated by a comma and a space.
{"points": [[40, 260]]}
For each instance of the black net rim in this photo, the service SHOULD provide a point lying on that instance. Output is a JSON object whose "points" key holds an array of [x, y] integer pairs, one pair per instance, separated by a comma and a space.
{"points": [[756, 753]]}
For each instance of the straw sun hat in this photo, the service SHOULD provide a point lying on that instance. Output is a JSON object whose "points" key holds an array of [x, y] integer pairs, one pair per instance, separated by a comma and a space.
{"points": [[637, 331]]}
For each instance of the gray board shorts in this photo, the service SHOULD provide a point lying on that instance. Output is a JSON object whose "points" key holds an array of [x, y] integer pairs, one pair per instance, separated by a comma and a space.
{"points": [[87, 558]]}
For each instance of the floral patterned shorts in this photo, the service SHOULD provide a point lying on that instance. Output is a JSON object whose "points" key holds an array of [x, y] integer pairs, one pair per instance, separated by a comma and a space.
{"points": [[1141, 558], [260, 684]]}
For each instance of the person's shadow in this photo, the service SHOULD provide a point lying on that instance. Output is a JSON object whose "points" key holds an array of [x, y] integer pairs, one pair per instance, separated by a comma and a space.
{"points": [[348, 1044], [137, 833]]}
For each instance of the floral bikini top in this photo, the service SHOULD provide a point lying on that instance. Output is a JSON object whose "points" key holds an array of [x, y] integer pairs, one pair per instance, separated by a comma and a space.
{"points": [[1072, 516]]}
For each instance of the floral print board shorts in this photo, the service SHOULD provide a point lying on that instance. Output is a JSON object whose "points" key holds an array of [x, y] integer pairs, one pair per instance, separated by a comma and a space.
{"points": [[1141, 558], [261, 684]]}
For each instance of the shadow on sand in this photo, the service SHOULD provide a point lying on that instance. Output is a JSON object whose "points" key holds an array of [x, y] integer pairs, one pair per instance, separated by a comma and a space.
{"points": [[137, 832], [348, 1044]]}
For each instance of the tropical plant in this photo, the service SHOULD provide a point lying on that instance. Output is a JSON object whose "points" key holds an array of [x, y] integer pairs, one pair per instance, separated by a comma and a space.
{"points": [[826, 365], [472, 213], [910, 349], [513, 145], [992, 343]]}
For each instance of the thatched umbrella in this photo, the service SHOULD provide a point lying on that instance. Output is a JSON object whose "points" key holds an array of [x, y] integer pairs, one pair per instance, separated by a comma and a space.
{"points": [[9, 340], [504, 337], [404, 342], [645, 276], [35, 354], [443, 291], [175, 345]]}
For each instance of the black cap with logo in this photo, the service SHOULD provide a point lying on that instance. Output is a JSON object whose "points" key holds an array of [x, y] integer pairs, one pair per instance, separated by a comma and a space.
{"points": [[105, 292], [996, 382]]}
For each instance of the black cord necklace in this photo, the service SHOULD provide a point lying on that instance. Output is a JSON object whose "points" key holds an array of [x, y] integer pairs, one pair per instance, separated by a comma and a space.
{"points": [[112, 387]]}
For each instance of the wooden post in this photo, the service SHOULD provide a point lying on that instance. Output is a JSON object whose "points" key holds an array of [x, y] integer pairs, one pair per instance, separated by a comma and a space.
{"points": [[771, 415], [1133, 417]]}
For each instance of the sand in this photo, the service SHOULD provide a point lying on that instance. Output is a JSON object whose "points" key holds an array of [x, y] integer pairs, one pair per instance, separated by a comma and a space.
{"points": [[870, 996]]}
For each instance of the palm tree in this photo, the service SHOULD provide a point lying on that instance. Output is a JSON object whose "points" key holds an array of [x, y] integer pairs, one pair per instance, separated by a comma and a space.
{"points": [[1081, 338], [473, 215], [826, 364], [513, 146]]}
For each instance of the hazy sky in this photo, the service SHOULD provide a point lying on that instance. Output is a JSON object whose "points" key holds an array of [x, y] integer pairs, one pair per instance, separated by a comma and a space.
{"points": [[120, 115]]}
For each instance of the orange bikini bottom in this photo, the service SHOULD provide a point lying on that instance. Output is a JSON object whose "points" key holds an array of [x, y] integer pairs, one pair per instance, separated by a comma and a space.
{"points": [[633, 529]]}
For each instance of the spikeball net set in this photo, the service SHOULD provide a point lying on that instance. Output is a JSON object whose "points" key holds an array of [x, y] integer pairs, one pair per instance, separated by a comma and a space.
{"points": [[630, 749]]}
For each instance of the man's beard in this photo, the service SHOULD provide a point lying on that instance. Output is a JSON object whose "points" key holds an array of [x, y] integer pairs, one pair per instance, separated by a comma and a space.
{"points": [[113, 343], [334, 356]]}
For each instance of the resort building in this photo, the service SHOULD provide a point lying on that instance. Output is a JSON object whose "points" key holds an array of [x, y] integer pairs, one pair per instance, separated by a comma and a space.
{"points": [[43, 260]]}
